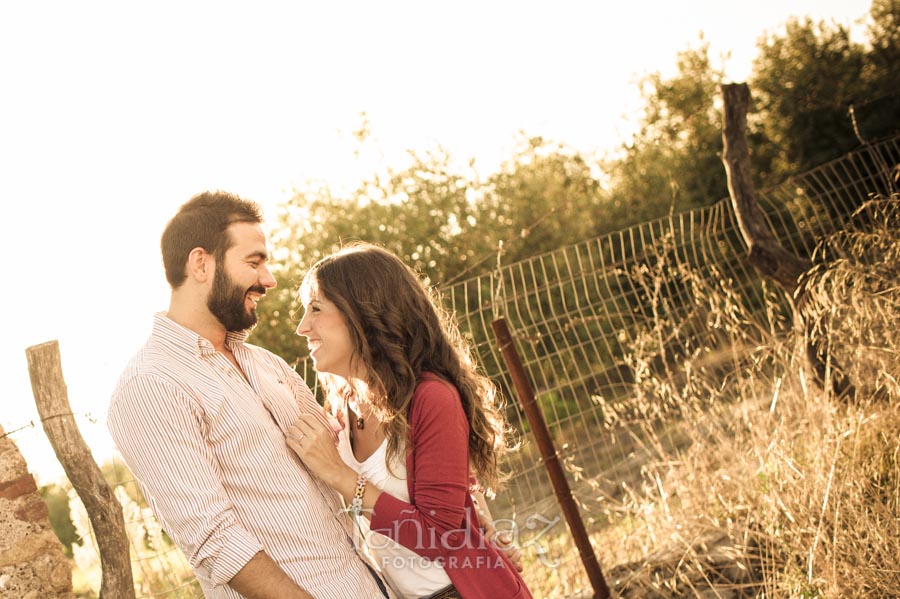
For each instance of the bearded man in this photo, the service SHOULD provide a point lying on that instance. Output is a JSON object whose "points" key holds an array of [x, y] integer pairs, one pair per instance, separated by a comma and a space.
{"points": [[200, 418]]}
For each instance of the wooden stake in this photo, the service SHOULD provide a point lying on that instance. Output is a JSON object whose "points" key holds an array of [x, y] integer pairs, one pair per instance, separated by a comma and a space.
{"points": [[766, 253], [104, 511]]}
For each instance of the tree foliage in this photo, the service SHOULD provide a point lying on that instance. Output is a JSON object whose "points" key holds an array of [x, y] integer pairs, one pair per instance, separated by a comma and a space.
{"points": [[546, 197], [444, 221], [804, 83], [450, 222], [56, 496], [879, 112], [423, 213], [822, 94], [673, 161]]}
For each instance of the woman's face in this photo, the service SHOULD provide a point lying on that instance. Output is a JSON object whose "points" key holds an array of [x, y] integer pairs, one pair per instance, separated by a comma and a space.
{"points": [[327, 336]]}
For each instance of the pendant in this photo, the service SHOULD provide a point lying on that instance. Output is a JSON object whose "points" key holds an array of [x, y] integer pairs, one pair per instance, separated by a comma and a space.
{"points": [[357, 413]]}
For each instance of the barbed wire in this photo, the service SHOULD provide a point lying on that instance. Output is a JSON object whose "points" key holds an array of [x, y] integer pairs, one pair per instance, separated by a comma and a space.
{"points": [[31, 423]]}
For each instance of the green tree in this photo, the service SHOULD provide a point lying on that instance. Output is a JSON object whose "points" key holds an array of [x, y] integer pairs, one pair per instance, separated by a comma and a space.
{"points": [[878, 114], [884, 36], [426, 213], [56, 497], [673, 162], [803, 83], [444, 221], [545, 197], [448, 222]]}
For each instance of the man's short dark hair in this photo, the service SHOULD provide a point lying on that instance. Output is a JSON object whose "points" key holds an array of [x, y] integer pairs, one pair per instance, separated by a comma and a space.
{"points": [[203, 222]]}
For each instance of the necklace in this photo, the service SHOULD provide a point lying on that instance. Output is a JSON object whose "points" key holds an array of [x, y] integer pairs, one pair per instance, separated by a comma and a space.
{"points": [[352, 406]]}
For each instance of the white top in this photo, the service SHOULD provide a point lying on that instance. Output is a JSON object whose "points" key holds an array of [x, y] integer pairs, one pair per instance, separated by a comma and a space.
{"points": [[410, 575]]}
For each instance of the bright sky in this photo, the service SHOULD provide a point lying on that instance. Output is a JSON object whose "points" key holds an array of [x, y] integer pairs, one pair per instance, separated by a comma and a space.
{"points": [[113, 114]]}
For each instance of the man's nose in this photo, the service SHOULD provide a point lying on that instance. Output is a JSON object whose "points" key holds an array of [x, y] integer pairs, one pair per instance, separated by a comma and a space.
{"points": [[266, 279]]}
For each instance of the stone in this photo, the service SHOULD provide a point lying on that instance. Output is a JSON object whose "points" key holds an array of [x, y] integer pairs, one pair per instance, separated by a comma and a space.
{"points": [[33, 510], [11, 489], [32, 563]]}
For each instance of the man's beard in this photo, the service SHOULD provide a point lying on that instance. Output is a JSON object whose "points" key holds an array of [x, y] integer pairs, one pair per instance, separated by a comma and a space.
{"points": [[227, 303]]}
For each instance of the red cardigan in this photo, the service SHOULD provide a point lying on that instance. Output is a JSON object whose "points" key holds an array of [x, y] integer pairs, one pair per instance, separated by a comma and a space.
{"points": [[440, 522]]}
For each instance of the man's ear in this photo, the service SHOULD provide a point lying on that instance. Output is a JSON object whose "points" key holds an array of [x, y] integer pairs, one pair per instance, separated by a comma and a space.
{"points": [[200, 264]]}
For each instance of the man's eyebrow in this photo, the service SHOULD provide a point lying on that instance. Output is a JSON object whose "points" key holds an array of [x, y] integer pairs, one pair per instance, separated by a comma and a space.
{"points": [[261, 254]]}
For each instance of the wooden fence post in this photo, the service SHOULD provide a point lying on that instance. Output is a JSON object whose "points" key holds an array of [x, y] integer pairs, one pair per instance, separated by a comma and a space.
{"points": [[765, 252], [551, 457], [104, 511]]}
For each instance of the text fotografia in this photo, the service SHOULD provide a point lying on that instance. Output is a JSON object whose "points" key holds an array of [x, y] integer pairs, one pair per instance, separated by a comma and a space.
{"points": [[398, 562]]}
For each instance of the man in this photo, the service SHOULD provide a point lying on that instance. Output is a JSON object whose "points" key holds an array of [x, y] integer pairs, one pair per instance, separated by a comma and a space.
{"points": [[200, 418]]}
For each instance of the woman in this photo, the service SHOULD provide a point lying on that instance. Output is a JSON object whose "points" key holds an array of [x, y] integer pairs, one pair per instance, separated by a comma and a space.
{"points": [[417, 426]]}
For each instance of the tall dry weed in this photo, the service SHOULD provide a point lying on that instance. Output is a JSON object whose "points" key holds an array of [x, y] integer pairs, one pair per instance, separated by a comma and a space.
{"points": [[782, 489]]}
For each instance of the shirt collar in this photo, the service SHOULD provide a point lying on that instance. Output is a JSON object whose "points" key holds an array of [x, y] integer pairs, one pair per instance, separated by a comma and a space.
{"points": [[183, 338], [235, 339]]}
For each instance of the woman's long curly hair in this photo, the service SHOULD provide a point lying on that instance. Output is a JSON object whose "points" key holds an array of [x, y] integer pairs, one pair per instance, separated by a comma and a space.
{"points": [[400, 331]]}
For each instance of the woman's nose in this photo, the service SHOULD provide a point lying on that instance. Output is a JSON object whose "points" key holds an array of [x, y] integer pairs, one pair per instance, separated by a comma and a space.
{"points": [[303, 327]]}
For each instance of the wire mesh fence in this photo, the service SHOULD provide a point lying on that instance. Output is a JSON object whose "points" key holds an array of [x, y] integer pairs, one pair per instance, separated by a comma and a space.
{"points": [[576, 314]]}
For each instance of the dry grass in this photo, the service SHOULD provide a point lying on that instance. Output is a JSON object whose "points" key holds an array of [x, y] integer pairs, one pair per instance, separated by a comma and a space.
{"points": [[754, 481], [785, 489]]}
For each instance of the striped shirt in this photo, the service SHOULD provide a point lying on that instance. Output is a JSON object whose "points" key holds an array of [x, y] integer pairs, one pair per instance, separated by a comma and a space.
{"points": [[208, 449]]}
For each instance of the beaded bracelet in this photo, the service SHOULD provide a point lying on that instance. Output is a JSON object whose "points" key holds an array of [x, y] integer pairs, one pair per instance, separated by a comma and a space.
{"points": [[356, 503]]}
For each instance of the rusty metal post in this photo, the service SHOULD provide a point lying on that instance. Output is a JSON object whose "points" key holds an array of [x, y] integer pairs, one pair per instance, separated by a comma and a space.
{"points": [[551, 457]]}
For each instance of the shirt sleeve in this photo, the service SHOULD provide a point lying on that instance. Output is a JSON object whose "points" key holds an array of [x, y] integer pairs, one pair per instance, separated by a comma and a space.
{"points": [[159, 432], [435, 514]]}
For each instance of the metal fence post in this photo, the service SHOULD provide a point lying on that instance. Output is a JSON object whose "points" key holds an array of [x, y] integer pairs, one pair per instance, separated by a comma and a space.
{"points": [[550, 456]]}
